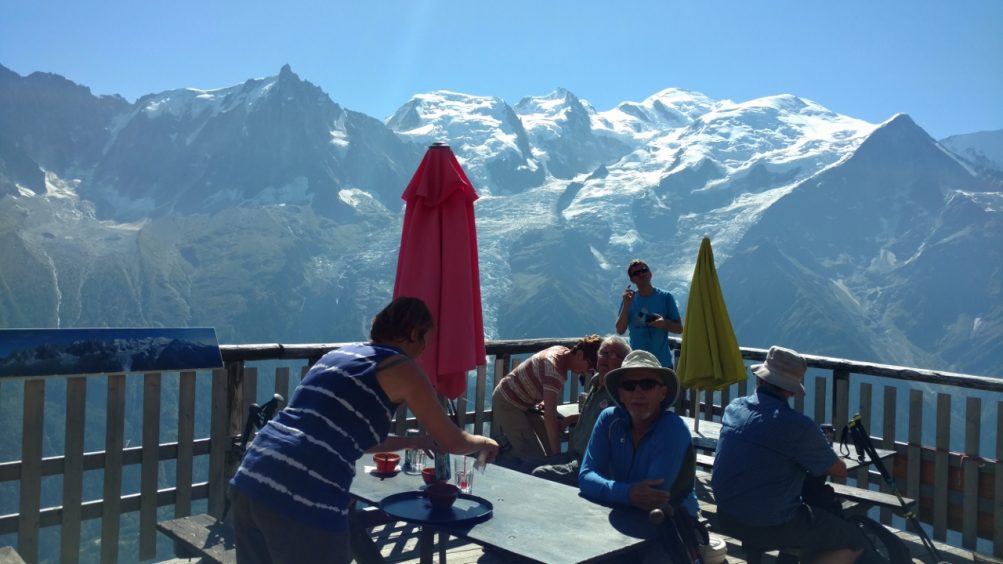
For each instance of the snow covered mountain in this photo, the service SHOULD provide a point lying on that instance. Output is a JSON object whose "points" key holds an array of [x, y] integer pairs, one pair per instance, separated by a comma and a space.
{"points": [[270, 212], [485, 131], [265, 142], [99, 356], [983, 149]]}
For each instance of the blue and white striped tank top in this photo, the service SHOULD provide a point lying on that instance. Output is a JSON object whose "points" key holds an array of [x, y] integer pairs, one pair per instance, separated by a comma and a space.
{"points": [[303, 461]]}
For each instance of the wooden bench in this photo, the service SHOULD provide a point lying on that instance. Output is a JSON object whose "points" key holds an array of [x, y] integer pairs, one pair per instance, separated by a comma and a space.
{"points": [[201, 535], [213, 540], [865, 499], [859, 499]]}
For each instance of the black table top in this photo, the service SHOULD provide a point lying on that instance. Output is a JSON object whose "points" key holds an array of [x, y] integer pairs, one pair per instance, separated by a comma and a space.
{"points": [[533, 518]]}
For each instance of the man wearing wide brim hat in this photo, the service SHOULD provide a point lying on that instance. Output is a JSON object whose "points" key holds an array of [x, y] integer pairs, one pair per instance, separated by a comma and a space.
{"points": [[764, 451], [784, 369], [645, 363], [640, 455]]}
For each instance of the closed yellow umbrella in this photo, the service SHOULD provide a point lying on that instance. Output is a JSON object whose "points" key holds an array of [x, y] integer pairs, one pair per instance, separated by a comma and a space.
{"points": [[709, 355]]}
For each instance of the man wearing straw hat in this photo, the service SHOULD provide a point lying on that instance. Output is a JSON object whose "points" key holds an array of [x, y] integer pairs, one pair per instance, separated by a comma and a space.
{"points": [[764, 452], [639, 454]]}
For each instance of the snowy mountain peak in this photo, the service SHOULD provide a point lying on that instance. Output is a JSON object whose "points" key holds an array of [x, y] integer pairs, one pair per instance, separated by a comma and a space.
{"points": [[668, 109], [900, 121], [447, 110], [197, 103], [779, 129], [559, 96], [768, 111], [548, 116], [486, 133], [687, 102], [984, 149]]}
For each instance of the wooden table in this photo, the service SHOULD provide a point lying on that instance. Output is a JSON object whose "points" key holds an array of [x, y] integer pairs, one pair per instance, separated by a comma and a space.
{"points": [[532, 518]]}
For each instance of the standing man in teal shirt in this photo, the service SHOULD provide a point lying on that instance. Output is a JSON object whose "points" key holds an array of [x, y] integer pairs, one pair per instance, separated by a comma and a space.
{"points": [[649, 313]]}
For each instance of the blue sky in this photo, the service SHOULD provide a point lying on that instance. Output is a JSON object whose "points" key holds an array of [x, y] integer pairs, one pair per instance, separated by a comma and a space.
{"points": [[940, 62]]}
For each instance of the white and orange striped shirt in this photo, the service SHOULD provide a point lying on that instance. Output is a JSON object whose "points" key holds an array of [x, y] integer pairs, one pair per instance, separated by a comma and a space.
{"points": [[525, 385]]}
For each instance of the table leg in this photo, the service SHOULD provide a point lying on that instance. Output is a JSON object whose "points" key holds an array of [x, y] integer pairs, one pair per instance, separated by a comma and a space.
{"points": [[364, 550], [443, 541], [426, 545]]}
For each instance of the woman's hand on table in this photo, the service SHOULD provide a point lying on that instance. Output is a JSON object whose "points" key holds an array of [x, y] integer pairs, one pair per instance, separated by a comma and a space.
{"points": [[487, 453]]}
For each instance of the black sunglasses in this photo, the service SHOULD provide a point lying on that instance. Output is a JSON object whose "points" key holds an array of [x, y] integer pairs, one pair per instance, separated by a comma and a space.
{"points": [[639, 272], [646, 385]]}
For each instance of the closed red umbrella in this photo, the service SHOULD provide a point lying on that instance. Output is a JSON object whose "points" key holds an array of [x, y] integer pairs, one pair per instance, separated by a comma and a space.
{"points": [[437, 262]]}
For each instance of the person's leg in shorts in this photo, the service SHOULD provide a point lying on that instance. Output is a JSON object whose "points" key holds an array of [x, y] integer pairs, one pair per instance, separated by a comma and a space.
{"points": [[516, 427]]}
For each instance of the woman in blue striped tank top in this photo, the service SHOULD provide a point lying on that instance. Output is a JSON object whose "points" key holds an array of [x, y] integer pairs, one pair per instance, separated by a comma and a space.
{"points": [[291, 492]]}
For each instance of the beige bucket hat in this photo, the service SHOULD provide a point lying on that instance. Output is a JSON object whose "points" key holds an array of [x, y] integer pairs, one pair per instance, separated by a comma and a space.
{"points": [[783, 368]]}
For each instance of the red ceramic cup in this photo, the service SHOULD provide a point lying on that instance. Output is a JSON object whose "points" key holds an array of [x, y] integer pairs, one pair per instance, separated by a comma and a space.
{"points": [[442, 495], [386, 462], [428, 475]]}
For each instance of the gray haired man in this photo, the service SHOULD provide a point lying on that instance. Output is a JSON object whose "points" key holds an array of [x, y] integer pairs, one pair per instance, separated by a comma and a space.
{"points": [[563, 467]]}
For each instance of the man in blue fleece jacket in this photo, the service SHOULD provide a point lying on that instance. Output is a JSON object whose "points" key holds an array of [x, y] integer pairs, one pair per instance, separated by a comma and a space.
{"points": [[638, 449]]}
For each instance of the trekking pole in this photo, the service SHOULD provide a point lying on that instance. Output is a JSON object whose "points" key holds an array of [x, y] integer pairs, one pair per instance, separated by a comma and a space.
{"points": [[672, 538], [863, 444]]}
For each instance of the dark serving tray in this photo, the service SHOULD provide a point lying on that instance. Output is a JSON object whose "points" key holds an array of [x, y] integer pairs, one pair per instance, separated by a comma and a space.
{"points": [[414, 507]]}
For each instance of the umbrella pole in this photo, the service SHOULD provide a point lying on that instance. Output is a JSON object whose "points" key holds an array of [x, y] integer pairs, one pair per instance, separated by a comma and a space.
{"points": [[696, 411]]}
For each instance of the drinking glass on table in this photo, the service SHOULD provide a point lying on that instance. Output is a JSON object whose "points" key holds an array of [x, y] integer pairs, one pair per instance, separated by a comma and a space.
{"points": [[829, 432], [463, 474], [414, 458]]}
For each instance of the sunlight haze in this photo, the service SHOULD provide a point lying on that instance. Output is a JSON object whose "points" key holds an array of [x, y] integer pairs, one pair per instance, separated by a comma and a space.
{"points": [[938, 62]]}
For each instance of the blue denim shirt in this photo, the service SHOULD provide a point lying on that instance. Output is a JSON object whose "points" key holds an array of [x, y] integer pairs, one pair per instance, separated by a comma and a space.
{"points": [[763, 453], [612, 465]]}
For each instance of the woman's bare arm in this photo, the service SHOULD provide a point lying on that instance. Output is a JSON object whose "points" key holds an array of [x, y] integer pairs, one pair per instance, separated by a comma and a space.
{"points": [[407, 383]]}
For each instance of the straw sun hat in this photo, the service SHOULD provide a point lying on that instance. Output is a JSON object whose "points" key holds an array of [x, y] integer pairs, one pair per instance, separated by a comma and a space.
{"points": [[643, 360]]}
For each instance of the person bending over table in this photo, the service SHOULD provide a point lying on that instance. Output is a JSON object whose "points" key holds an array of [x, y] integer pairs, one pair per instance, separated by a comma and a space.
{"points": [[539, 378], [764, 452], [640, 455], [563, 468], [290, 494]]}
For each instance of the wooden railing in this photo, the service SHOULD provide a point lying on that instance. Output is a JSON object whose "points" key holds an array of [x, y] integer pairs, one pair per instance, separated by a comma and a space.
{"points": [[959, 489]]}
